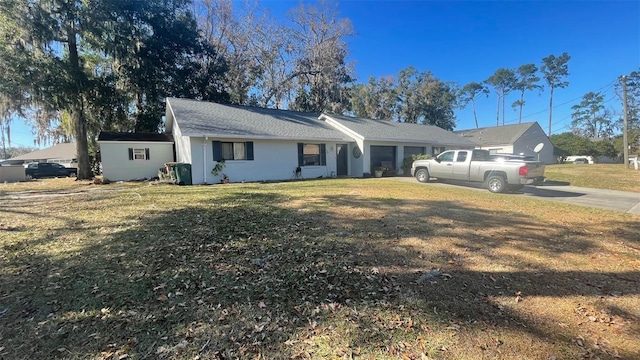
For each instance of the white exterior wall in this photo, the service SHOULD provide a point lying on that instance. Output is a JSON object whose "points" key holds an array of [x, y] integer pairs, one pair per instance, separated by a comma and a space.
{"points": [[501, 149], [355, 165], [183, 145], [116, 165], [12, 173], [273, 160]]}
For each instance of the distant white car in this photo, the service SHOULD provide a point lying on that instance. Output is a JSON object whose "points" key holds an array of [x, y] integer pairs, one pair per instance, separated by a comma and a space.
{"points": [[581, 161]]}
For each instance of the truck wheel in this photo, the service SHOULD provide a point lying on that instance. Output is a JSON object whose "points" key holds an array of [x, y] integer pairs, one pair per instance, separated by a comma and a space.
{"points": [[496, 184], [422, 175], [29, 177], [73, 174]]}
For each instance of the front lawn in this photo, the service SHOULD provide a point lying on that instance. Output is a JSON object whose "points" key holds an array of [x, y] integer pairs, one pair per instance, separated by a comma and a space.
{"points": [[599, 176], [357, 268]]}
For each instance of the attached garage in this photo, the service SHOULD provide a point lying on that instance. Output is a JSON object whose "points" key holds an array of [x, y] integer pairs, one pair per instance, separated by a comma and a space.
{"points": [[383, 156]]}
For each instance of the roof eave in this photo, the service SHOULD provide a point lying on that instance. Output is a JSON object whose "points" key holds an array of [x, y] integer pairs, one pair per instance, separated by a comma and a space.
{"points": [[266, 137], [340, 127]]}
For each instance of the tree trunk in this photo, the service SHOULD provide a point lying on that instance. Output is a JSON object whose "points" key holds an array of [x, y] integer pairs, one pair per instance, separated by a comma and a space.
{"points": [[521, 105], [550, 110], [475, 116], [503, 99], [82, 148], [77, 110], [498, 111]]}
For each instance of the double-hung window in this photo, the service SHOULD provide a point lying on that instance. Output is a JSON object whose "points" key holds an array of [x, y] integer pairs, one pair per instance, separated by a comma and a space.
{"points": [[232, 150], [138, 153], [312, 154]]}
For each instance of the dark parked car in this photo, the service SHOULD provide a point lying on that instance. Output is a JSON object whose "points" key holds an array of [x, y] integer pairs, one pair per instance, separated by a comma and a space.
{"points": [[41, 170]]}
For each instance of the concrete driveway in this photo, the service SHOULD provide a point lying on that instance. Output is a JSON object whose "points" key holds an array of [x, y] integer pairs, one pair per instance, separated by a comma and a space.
{"points": [[621, 201]]}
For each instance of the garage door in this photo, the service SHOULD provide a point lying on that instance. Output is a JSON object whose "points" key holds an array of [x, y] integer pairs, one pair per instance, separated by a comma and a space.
{"points": [[384, 156]]}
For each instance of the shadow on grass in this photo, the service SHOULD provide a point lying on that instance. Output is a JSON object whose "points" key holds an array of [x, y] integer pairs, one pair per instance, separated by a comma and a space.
{"points": [[245, 273]]}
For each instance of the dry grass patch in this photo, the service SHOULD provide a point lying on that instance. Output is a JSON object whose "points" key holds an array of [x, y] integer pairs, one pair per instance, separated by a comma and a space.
{"points": [[315, 269]]}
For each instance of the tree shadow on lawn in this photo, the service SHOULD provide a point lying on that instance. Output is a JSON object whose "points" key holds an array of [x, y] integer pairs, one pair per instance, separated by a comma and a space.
{"points": [[247, 274]]}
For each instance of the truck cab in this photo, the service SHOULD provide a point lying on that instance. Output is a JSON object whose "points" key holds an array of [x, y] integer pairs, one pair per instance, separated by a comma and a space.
{"points": [[43, 169], [454, 164], [498, 174]]}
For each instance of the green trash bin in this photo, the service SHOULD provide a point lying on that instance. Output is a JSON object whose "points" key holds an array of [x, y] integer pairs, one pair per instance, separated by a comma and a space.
{"points": [[183, 173]]}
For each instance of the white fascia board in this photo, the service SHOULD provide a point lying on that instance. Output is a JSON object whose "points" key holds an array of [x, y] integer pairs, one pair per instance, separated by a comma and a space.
{"points": [[173, 115], [336, 124], [359, 139], [418, 141], [502, 145], [261, 137]]}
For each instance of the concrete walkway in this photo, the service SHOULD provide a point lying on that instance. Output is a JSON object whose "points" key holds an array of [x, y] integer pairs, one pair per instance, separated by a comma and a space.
{"points": [[621, 201]]}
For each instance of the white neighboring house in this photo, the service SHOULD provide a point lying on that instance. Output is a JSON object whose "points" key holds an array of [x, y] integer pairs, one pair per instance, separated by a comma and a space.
{"points": [[132, 156], [513, 139], [260, 144]]}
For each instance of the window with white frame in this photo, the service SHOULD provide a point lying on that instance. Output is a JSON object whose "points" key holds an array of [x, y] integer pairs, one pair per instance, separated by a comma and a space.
{"points": [[138, 153]]}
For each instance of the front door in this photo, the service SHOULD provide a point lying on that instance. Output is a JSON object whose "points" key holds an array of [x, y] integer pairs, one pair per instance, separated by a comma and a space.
{"points": [[341, 160]]}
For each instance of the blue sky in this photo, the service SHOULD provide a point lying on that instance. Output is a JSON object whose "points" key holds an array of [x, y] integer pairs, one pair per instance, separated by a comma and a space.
{"points": [[464, 41]]}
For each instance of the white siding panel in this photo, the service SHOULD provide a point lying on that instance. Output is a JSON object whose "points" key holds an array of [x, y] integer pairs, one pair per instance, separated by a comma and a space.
{"points": [[198, 155], [183, 145], [116, 165], [12, 173], [273, 160], [356, 165]]}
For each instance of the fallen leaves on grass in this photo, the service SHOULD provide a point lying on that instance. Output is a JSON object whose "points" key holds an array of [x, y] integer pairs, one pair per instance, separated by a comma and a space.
{"points": [[268, 271]]}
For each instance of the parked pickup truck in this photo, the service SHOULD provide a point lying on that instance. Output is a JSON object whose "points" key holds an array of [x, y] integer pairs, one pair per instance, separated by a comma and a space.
{"points": [[497, 173], [43, 169]]}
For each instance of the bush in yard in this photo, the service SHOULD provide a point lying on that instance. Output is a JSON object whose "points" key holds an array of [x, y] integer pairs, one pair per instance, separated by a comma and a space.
{"points": [[406, 163]]}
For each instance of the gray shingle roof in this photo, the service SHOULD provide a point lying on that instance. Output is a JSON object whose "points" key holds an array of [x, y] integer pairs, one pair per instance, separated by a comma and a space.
{"points": [[58, 151], [381, 130], [199, 118], [496, 135]]}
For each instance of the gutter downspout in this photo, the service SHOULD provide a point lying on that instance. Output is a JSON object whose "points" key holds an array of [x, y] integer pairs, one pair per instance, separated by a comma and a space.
{"points": [[204, 159]]}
